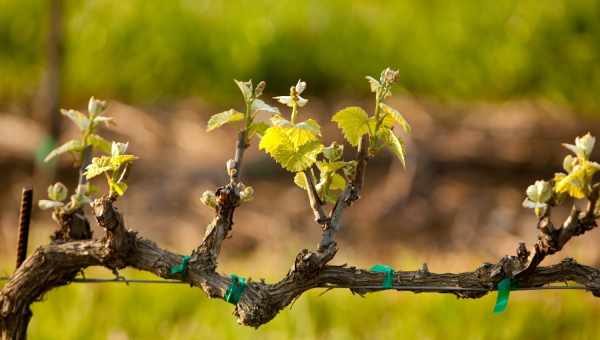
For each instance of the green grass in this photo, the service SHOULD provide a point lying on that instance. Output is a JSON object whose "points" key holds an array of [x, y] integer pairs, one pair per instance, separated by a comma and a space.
{"points": [[112, 311], [154, 51]]}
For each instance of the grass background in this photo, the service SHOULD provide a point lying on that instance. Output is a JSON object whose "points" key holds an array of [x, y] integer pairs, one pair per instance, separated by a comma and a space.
{"points": [[154, 51]]}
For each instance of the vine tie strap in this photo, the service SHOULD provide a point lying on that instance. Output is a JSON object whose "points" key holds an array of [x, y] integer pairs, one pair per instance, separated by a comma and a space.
{"points": [[504, 287], [235, 290], [388, 281], [181, 268]]}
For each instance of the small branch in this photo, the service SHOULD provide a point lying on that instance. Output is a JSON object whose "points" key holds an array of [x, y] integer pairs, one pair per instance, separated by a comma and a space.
{"points": [[362, 159], [241, 145], [552, 240], [314, 200]]}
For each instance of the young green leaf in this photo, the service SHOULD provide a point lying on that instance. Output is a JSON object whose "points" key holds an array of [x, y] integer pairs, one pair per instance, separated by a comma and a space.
{"points": [[300, 180], [58, 192], [374, 83], [294, 149], [223, 118], [98, 166], [354, 123], [397, 116], [70, 146], [119, 187], [392, 142], [99, 143], [78, 118], [246, 88], [333, 152]]}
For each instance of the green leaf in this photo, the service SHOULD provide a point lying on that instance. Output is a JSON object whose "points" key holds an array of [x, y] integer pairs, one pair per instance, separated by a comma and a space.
{"points": [[99, 143], [310, 125], [257, 128], [246, 88], [300, 136], [78, 118], [223, 118], [300, 180], [392, 142], [57, 192], [291, 147], [374, 83], [98, 166], [354, 123], [119, 187], [397, 116], [70, 146], [259, 105], [119, 160], [337, 182], [333, 152]]}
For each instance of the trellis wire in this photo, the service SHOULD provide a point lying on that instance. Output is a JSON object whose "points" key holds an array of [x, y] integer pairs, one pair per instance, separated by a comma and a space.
{"points": [[399, 288]]}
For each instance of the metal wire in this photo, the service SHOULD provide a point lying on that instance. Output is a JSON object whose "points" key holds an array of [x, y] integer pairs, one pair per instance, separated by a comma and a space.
{"points": [[399, 288]]}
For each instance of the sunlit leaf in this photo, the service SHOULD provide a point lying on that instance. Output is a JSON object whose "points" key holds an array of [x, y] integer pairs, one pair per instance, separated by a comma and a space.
{"points": [[100, 143], [354, 123], [223, 118], [70, 146], [397, 116], [392, 142], [78, 118], [290, 147]]}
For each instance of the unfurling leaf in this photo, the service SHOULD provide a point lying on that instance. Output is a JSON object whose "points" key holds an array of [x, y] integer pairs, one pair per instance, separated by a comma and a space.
{"points": [[354, 123], [118, 148], [96, 107], [247, 194], [246, 88], [58, 192], [78, 118], [209, 199], [300, 180], [293, 148], [397, 116], [374, 83], [48, 204], [539, 192], [70, 146], [389, 139], [583, 147], [223, 118], [99, 143]]}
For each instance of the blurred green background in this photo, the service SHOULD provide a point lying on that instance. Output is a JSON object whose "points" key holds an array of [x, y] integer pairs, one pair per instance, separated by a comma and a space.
{"points": [[484, 84], [153, 51]]}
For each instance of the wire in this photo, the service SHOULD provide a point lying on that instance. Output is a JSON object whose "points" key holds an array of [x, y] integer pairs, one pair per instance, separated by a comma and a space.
{"points": [[400, 288]]}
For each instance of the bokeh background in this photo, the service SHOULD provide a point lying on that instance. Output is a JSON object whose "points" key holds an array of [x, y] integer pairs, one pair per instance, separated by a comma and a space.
{"points": [[491, 89]]}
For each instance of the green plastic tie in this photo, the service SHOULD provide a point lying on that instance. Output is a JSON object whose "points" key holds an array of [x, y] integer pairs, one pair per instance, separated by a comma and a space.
{"points": [[236, 289], [504, 287], [180, 268], [389, 274]]}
